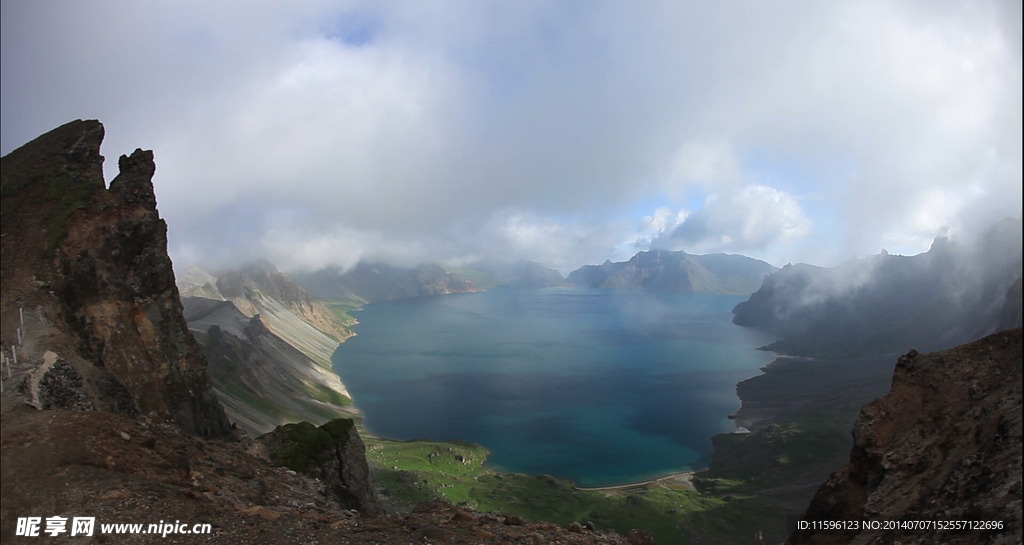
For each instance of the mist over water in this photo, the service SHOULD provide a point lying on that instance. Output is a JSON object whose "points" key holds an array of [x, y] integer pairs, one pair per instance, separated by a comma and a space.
{"points": [[598, 386]]}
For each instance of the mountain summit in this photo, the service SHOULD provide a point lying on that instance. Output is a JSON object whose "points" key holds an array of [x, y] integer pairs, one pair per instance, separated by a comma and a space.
{"points": [[677, 271], [87, 277]]}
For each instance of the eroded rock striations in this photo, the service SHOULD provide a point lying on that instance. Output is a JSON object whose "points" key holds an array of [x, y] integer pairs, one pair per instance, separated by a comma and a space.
{"points": [[262, 380], [269, 346], [944, 445], [286, 308], [91, 265]]}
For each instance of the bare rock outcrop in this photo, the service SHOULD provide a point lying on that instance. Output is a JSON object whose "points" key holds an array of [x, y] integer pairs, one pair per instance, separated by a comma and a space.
{"points": [[943, 446], [334, 453], [93, 263]]}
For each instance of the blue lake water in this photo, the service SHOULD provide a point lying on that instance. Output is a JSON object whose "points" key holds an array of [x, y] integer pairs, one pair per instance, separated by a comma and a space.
{"points": [[598, 386]]}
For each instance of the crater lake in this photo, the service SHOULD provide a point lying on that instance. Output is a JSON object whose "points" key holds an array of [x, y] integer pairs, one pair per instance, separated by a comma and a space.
{"points": [[598, 386]]}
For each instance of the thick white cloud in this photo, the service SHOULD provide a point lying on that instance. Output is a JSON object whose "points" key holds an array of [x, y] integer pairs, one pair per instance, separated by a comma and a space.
{"points": [[751, 218], [361, 134], [327, 131]]}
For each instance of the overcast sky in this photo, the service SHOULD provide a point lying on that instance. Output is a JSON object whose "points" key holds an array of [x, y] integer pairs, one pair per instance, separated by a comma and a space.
{"points": [[321, 132]]}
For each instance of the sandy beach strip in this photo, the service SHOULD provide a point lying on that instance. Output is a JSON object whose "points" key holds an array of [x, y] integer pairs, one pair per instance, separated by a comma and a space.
{"points": [[681, 479]]}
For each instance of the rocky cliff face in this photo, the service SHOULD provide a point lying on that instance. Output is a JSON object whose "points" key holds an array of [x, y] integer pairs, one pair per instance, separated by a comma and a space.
{"points": [[943, 445], [91, 265]]}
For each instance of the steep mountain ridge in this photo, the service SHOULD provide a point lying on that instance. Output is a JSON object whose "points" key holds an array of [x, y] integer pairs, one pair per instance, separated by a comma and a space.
{"points": [[283, 306], [262, 380], [952, 294], [250, 282], [677, 271], [269, 345]]}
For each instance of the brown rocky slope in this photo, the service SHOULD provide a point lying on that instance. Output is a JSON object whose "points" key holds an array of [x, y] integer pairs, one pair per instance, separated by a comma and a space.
{"points": [[132, 470], [944, 445]]}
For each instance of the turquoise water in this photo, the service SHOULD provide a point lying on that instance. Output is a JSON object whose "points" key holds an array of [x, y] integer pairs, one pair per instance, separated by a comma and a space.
{"points": [[598, 386]]}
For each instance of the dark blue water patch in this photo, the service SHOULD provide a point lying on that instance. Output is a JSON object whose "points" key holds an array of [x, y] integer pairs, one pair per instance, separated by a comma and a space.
{"points": [[597, 386], [687, 407]]}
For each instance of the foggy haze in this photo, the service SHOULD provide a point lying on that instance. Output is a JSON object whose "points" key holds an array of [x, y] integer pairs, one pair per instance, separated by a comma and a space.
{"points": [[567, 133]]}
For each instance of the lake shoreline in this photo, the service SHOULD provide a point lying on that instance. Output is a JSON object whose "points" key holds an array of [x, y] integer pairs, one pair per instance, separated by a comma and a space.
{"points": [[758, 408], [682, 478], [628, 384]]}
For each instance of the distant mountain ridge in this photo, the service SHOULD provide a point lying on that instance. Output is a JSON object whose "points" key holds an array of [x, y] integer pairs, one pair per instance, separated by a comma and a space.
{"points": [[373, 282], [520, 274], [654, 270], [952, 294], [678, 272]]}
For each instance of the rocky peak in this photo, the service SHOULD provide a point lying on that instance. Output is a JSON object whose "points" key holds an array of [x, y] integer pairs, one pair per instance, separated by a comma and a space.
{"points": [[93, 265], [134, 183]]}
